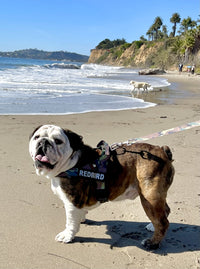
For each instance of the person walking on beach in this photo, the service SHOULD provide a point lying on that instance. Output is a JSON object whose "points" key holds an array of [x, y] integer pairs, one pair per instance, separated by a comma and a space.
{"points": [[192, 69], [180, 67]]}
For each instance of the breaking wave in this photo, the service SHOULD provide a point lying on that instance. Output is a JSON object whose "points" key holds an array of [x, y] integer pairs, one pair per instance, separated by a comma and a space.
{"points": [[36, 86], [62, 66]]}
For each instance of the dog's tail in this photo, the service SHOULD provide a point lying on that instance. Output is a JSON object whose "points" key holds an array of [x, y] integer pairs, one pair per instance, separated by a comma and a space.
{"points": [[171, 170], [168, 152]]}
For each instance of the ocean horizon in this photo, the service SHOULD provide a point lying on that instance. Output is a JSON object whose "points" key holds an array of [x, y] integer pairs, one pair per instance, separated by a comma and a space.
{"points": [[30, 86]]}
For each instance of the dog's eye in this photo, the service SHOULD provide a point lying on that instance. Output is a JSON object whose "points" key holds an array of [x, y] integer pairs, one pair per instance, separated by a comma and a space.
{"points": [[36, 137], [58, 141]]}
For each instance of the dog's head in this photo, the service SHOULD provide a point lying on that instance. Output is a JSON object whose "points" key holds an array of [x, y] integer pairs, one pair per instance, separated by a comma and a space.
{"points": [[54, 150], [132, 82]]}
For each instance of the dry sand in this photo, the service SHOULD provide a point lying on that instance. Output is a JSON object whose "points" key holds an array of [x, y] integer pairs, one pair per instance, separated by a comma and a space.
{"points": [[31, 215]]}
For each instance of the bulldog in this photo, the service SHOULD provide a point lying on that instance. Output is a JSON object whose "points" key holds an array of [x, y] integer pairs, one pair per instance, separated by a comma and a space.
{"points": [[128, 171]]}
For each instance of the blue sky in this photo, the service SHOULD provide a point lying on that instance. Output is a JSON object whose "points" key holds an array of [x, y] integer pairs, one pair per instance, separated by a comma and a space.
{"points": [[79, 25]]}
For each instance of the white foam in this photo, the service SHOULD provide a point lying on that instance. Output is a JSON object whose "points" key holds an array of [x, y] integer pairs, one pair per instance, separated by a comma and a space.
{"points": [[70, 87]]}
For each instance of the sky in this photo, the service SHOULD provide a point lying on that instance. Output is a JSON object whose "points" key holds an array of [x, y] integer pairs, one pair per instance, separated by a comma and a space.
{"points": [[80, 25]]}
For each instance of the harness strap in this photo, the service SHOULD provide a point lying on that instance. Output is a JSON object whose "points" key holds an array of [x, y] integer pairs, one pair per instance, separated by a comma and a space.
{"points": [[143, 153]]}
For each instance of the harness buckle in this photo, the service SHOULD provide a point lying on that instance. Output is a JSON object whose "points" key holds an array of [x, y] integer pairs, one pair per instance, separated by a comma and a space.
{"points": [[115, 146], [145, 155]]}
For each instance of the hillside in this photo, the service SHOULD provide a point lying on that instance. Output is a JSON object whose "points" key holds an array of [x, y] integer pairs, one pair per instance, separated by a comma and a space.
{"points": [[46, 55], [165, 53], [132, 56]]}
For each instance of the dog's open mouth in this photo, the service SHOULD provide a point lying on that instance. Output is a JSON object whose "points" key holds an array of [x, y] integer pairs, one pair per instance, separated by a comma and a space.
{"points": [[41, 160]]}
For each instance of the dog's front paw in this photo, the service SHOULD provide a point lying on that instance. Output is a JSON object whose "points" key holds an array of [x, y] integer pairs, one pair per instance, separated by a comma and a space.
{"points": [[65, 236]]}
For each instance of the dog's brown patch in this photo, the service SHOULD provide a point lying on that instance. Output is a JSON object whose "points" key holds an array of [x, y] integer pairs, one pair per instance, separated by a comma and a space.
{"points": [[151, 178]]}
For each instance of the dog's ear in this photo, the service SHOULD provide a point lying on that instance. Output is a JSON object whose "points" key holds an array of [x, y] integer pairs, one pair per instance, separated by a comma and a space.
{"points": [[76, 141], [31, 135]]}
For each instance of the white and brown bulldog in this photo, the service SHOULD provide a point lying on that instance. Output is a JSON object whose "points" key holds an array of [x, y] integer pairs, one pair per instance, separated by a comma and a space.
{"points": [[131, 170]]}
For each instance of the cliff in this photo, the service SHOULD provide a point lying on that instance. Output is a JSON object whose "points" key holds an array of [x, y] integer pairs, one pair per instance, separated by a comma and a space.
{"points": [[159, 54], [132, 56], [95, 55]]}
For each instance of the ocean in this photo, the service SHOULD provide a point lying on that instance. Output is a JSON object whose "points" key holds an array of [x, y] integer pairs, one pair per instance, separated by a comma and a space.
{"points": [[29, 86]]}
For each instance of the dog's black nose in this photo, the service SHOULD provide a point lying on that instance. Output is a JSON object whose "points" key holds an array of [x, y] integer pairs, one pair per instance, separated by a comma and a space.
{"points": [[44, 144]]}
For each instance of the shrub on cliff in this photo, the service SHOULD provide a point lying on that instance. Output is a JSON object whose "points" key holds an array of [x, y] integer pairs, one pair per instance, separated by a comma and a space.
{"points": [[138, 44], [108, 44]]}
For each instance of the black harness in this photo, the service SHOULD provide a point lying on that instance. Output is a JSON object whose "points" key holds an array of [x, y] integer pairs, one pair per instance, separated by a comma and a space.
{"points": [[97, 170]]}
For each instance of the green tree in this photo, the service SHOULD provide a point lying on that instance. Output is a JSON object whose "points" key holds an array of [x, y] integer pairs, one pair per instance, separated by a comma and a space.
{"points": [[143, 39], [149, 33], [108, 44], [152, 33], [177, 47], [175, 19], [187, 23], [156, 26], [189, 39], [118, 42], [105, 44], [164, 31]]}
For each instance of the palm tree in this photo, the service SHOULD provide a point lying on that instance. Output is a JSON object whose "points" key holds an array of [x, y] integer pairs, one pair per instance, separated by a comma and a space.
{"points": [[186, 23], [143, 39], [157, 24], [150, 33], [175, 19], [164, 30]]}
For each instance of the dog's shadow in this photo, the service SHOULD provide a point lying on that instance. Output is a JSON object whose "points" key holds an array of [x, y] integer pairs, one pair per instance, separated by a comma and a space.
{"points": [[179, 238]]}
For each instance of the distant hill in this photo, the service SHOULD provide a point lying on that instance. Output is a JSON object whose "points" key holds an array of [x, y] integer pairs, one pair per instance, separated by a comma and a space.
{"points": [[46, 55]]}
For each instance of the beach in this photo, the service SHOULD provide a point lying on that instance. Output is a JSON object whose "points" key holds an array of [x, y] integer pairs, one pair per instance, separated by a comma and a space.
{"points": [[31, 215]]}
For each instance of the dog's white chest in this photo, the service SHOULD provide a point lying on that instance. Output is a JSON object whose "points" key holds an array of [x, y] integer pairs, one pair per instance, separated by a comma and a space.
{"points": [[55, 183], [57, 190]]}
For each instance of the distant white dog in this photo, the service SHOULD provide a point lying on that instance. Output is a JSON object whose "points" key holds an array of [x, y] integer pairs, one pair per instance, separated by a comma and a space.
{"points": [[138, 85]]}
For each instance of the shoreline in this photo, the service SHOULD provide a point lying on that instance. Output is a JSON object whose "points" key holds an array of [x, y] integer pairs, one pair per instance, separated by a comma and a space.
{"points": [[182, 86], [31, 215]]}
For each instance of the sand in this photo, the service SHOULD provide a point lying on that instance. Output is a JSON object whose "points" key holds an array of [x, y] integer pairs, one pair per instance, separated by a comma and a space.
{"points": [[31, 215]]}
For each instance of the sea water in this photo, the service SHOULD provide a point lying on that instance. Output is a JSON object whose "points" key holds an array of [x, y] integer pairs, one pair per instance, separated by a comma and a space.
{"points": [[29, 86]]}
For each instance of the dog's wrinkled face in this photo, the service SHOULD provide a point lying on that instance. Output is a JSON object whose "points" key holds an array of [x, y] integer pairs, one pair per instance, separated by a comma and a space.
{"points": [[52, 149]]}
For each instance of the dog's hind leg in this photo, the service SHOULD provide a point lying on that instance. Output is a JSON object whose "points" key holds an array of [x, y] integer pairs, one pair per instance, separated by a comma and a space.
{"points": [[150, 226], [167, 210], [156, 211]]}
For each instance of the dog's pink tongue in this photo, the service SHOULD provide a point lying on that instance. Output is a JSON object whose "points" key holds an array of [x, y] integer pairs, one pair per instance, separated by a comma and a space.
{"points": [[42, 158]]}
